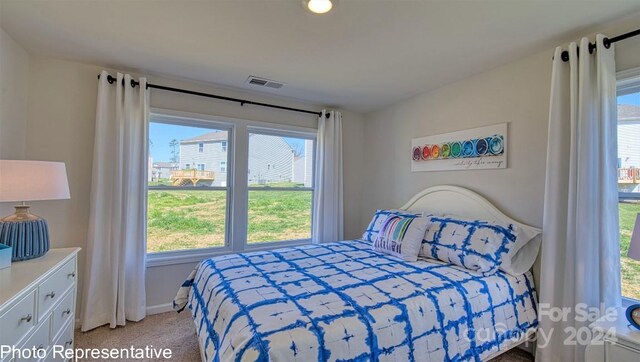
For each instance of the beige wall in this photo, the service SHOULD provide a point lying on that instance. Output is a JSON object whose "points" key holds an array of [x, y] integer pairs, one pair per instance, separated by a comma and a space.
{"points": [[62, 105], [517, 93], [14, 78]]}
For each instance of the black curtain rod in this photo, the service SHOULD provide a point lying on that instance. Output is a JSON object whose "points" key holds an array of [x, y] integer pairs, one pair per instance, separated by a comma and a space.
{"points": [[606, 41], [242, 102]]}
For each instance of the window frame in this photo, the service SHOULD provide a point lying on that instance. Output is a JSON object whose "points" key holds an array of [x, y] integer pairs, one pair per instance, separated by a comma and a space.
{"points": [[291, 134], [166, 257], [627, 82], [237, 183]]}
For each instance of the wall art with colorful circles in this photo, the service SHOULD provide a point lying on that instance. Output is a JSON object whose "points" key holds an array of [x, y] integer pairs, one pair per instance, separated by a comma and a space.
{"points": [[476, 148]]}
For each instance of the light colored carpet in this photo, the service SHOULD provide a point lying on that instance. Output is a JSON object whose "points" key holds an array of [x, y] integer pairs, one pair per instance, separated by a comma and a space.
{"points": [[166, 330], [177, 332]]}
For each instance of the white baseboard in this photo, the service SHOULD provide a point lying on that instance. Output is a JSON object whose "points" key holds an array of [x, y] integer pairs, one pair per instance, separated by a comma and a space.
{"points": [[160, 308]]}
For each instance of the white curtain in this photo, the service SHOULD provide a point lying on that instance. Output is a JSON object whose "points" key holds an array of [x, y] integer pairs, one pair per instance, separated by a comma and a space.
{"points": [[114, 281], [328, 224], [580, 261]]}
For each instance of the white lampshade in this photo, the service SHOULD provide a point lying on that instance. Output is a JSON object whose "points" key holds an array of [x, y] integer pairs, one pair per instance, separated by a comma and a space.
{"points": [[634, 248], [32, 180]]}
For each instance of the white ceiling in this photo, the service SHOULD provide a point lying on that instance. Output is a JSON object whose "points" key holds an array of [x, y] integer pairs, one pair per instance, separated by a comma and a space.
{"points": [[363, 55]]}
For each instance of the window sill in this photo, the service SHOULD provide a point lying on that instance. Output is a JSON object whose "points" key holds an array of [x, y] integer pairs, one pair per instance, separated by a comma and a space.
{"points": [[275, 245], [197, 255], [626, 302]]}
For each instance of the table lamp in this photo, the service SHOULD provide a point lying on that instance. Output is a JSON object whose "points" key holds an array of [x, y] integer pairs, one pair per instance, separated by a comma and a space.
{"points": [[633, 312], [22, 181]]}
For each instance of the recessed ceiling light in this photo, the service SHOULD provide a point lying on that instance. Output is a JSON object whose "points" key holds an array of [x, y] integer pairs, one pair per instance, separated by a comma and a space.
{"points": [[319, 6]]}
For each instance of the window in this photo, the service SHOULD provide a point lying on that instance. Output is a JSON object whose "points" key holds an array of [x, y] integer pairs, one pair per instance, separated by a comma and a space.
{"points": [[186, 208], [629, 175], [199, 203], [280, 186]]}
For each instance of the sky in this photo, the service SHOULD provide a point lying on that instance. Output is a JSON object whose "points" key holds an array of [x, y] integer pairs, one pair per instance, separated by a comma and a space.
{"points": [[161, 134], [633, 99]]}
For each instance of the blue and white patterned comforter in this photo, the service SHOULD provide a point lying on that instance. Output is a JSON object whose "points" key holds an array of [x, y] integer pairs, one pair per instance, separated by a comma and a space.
{"points": [[344, 301]]}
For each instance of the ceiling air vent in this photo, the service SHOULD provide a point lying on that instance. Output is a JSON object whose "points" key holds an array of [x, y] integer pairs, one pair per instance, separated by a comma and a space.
{"points": [[262, 82]]}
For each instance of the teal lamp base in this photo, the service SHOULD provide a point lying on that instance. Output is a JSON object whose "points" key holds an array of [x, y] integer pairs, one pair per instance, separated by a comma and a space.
{"points": [[27, 234]]}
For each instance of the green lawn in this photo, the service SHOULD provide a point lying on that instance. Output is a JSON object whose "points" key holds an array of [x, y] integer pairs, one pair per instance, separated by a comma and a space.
{"points": [[185, 219], [160, 182], [630, 267]]}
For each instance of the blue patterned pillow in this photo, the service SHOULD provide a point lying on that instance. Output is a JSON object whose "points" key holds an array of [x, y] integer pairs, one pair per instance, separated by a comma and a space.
{"points": [[476, 245], [371, 233], [401, 236]]}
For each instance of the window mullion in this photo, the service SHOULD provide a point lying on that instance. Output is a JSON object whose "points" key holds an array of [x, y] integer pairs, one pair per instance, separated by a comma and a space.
{"points": [[238, 240]]}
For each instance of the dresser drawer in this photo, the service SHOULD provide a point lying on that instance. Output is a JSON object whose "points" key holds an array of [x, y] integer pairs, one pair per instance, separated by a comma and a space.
{"points": [[63, 312], [65, 341], [18, 321], [38, 340], [614, 352], [51, 290]]}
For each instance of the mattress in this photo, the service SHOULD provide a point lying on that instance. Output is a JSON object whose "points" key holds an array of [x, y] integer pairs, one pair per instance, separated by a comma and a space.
{"points": [[344, 301]]}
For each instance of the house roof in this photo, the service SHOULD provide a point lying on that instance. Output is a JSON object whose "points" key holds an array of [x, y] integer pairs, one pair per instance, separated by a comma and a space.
{"points": [[628, 112], [207, 137]]}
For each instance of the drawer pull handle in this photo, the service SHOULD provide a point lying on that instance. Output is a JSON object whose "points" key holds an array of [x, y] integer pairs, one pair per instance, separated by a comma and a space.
{"points": [[68, 343], [66, 311], [27, 318], [71, 275], [52, 295], [40, 347]]}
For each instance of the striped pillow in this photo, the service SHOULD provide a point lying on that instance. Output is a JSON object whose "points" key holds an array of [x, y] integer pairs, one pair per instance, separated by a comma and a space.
{"points": [[371, 233], [401, 236]]}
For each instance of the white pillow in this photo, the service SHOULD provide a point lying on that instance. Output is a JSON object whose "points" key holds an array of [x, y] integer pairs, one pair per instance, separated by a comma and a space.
{"points": [[401, 236], [523, 254]]}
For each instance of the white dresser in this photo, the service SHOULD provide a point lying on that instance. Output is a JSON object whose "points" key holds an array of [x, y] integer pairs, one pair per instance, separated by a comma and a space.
{"points": [[615, 340], [37, 304]]}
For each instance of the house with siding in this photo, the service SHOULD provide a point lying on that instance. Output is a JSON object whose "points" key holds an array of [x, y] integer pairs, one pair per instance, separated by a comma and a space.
{"points": [[271, 159], [206, 152], [303, 166], [162, 170], [628, 148]]}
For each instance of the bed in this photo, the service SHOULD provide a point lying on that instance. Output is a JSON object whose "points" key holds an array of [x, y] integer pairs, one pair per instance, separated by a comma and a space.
{"points": [[344, 301]]}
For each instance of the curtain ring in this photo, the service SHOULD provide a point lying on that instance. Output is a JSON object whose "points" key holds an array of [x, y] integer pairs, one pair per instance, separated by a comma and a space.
{"points": [[606, 42]]}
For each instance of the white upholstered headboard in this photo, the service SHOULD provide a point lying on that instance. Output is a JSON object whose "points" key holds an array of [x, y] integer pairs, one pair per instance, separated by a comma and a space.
{"points": [[447, 199]]}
